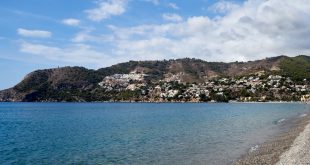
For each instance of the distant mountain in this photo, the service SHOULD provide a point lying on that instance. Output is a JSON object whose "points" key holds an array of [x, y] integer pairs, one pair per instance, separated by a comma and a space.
{"points": [[81, 84]]}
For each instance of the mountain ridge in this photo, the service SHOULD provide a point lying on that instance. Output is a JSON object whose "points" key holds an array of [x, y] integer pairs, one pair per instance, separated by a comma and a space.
{"points": [[81, 84]]}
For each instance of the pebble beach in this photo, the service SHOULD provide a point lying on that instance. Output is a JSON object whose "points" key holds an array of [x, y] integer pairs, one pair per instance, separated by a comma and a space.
{"points": [[289, 148]]}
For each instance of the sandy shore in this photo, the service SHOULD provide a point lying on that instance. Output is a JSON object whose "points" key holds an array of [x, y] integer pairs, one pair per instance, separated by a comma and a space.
{"points": [[289, 148]]}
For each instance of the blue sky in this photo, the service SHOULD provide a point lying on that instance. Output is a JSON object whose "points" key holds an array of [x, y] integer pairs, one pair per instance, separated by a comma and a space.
{"points": [[39, 34]]}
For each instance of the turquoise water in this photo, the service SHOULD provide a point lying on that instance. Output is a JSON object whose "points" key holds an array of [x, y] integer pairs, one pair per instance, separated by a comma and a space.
{"points": [[95, 133]]}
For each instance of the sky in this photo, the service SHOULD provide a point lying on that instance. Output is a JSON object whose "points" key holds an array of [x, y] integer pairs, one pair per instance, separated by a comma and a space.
{"points": [[40, 34]]}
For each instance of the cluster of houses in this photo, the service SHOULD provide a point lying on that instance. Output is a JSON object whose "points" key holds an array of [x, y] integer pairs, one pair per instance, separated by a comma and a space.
{"points": [[244, 89], [121, 82]]}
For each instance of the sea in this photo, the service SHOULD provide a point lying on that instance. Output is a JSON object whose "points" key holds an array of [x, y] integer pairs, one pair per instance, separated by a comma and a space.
{"points": [[138, 133]]}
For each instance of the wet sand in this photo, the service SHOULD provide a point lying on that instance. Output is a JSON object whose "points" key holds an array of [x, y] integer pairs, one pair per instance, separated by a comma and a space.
{"points": [[289, 148]]}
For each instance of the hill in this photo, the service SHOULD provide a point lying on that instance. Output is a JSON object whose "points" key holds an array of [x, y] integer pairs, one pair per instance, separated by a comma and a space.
{"points": [[81, 84]]}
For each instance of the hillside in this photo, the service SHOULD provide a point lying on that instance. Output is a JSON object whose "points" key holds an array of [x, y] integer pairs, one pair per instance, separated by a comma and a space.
{"points": [[81, 84]]}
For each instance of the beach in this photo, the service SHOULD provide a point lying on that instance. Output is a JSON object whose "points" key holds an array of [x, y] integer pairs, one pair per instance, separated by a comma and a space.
{"points": [[299, 153], [289, 148]]}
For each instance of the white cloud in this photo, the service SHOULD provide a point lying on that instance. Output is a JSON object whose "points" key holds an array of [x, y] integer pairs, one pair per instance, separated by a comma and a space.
{"points": [[173, 6], [86, 36], [254, 30], [223, 6], [155, 2], [82, 37], [106, 9], [77, 53], [71, 22], [34, 33], [172, 17]]}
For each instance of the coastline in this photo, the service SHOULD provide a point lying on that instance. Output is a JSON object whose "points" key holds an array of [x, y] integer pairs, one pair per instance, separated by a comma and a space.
{"points": [[281, 149], [299, 153], [162, 102]]}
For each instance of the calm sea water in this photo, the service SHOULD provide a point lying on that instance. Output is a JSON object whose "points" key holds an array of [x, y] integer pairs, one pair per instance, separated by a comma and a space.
{"points": [[74, 133]]}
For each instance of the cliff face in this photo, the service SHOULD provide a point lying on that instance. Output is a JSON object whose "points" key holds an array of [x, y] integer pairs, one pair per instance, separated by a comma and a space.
{"points": [[81, 84]]}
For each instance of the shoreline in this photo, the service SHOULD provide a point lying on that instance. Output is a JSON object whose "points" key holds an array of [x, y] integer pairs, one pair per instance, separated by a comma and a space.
{"points": [[279, 149], [164, 102], [299, 153]]}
